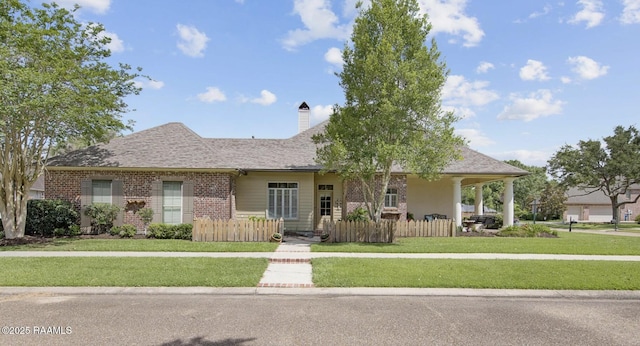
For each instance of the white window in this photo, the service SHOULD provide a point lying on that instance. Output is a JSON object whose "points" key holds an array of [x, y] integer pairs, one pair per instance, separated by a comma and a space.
{"points": [[283, 201], [101, 191], [391, 198], [172, 202]]}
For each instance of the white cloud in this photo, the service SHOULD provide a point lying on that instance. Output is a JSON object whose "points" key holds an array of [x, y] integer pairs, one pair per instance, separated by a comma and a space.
{"points": [[266, 98], [591, 13], [565, 79], [95, 6], [319, 22], [545, 10], [116, 45], [630, 12], [151, 84], [484, 67], [587, 68], [528, 157], [536, 105], [334, 56], [349, 8], [459, 95], [212, 94], [474, 137], [321, 113], [534, 70], [449, 17], [192, 42]]}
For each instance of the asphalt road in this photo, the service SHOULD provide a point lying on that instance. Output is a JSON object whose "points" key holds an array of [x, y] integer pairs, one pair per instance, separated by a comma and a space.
{"points": [[46, 319]]}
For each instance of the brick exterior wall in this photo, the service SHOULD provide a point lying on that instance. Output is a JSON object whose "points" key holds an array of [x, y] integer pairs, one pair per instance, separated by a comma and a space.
{"points": [[212, 192], [353, 195]]}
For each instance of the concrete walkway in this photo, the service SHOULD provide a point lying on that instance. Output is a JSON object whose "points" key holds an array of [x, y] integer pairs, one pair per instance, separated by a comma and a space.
{"points": [[290, 265]]}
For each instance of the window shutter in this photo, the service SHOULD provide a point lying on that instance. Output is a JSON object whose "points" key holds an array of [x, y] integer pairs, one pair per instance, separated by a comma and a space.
{"points": [[85, 200], [156, 200], [187, 202], [117, 199]]}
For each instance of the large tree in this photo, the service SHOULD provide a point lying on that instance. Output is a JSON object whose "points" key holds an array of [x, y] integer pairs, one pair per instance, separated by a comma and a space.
{"points": [[552, 201], [55, 87], [392, 80], [528, 188], [610, 168]]}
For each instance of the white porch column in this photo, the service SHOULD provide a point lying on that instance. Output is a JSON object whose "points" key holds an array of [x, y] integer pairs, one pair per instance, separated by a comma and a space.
{"points": [[479, 203], [508, 201], [457, 200]]}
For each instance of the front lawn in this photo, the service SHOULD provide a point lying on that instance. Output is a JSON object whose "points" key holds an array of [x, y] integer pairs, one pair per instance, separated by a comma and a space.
{"points": [[566, 243], [132, 272], [499, 274], [161, 245]]}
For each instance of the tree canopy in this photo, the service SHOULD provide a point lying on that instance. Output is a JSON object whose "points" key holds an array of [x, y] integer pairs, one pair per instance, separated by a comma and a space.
{"points": [[55, 87], [392, 80], [611, 167]]}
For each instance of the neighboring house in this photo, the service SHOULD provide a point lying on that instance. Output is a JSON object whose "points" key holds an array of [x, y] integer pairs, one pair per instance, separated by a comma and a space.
{"points": [[37, 189], [596, 206], [181, 175]]}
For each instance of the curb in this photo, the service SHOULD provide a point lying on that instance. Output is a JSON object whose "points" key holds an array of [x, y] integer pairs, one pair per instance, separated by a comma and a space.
{"points": [[331, 291]]}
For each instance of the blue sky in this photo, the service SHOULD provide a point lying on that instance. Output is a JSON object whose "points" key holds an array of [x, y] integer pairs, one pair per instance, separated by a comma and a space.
{"points": [[526, 76]]}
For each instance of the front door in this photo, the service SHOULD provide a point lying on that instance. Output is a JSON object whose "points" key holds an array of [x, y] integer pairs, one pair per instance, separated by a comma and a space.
{"points": [[324, 205]]}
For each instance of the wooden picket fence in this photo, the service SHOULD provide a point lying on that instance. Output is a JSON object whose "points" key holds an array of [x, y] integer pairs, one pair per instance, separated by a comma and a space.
{"points": [[205, 229], [386, 231]]}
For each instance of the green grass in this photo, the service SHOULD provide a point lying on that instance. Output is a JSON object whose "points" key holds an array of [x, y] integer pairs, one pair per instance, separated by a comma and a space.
{"points": [[132, 272], [162, 245], [566, 243], [500, 274]]}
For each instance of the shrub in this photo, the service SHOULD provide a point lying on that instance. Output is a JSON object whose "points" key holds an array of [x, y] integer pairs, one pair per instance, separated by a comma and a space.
{"points": [[638, 218], [528, 230], [359, 214], [1, 234], [124, 231], [257, 218], [45, 216], [71, 231], [102, 216], [183, 231], [146, 215], [165, 231]]}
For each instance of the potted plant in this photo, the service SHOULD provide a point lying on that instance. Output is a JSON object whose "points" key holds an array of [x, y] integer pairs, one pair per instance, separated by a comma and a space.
{"points": [[276, 237]]}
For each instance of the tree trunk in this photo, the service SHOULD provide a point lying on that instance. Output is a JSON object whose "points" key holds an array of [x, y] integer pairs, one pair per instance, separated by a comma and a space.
{"points": [[14, 218], [614, 211]]}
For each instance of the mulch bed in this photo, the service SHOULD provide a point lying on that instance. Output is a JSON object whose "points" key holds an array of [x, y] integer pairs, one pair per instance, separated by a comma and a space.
{"points": [[24, 241]]}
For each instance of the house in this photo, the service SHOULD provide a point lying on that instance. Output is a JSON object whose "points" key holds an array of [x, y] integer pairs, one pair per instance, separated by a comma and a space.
{"points": [[181, 175], [596, 206], [37, 189]]}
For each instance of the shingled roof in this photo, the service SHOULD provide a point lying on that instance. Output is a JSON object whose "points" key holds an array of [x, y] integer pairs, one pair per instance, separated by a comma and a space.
{"points": [[175, 146]]}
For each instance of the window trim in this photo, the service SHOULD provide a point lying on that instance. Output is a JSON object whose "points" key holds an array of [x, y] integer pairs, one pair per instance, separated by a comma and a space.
{"points": [[93, 190], [293, 210], [178, 205], [391, 198]]}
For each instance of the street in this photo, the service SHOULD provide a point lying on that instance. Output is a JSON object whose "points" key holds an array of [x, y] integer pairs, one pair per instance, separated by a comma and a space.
{"points": [[46, 319]]}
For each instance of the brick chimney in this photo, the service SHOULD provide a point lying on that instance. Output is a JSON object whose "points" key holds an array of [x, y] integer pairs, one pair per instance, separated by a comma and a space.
{"points": [[303, 117]]}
